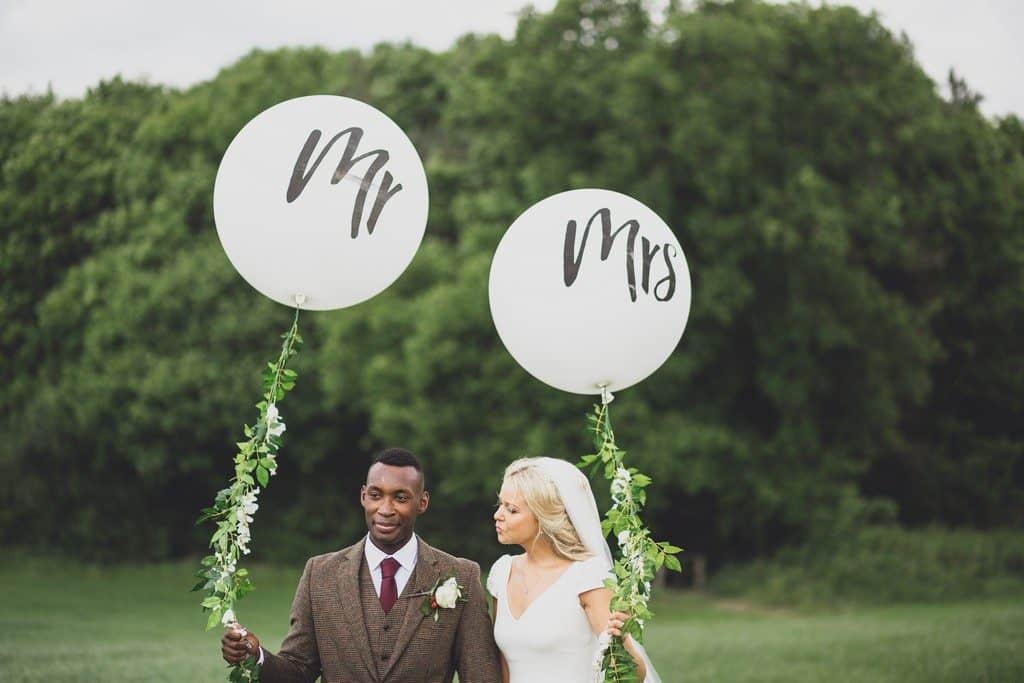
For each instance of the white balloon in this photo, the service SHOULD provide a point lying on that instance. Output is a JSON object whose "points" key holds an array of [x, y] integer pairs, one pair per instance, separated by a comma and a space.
{"points": [[323, 198], [589, 288]]}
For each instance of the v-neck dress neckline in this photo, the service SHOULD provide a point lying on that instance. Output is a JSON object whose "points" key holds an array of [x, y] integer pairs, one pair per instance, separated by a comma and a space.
{"points": [[552, 640], [508, 602]]}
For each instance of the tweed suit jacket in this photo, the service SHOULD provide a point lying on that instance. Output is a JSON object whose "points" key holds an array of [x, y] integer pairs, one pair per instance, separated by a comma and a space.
{"points": [[329, 638]]}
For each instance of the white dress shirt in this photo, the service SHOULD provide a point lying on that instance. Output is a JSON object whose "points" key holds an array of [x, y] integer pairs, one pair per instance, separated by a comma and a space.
{"points": [[406, 557]]}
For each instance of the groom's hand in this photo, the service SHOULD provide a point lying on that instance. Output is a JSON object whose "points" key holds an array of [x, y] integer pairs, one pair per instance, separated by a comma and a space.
{"points": [[237, 644]]}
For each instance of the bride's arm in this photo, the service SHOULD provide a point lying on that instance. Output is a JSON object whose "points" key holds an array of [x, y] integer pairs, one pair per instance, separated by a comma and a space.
{"points": [[501, 657], [597, 605]]}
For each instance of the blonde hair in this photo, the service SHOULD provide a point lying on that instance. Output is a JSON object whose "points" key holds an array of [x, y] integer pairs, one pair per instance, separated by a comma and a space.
{"points": [[543, 500]]}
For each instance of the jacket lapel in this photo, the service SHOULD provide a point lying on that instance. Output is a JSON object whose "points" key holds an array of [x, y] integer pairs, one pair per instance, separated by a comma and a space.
{"points": [[351, 606], [424, 576]]}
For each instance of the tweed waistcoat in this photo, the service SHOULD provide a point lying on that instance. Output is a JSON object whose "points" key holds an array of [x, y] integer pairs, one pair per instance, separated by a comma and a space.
{"points": [[382, 628]]}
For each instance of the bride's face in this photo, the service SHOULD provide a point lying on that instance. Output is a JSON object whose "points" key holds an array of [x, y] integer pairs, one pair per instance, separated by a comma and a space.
{"points": [[513, 521]]}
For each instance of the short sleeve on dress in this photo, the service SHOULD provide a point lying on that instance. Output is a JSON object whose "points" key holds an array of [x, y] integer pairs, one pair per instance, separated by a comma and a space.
{"points": [[590, 574], [497, 578]]}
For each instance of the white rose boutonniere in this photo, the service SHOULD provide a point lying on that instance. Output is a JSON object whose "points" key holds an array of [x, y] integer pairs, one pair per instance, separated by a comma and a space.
{"points": [[445, 594]]}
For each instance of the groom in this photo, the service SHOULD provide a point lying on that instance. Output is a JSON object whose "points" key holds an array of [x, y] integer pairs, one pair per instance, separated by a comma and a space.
{"points": [[356, 614]]}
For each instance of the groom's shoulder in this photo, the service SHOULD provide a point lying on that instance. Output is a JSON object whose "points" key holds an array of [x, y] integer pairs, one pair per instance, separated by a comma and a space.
{"points": [[462, 563], [333, 558]]}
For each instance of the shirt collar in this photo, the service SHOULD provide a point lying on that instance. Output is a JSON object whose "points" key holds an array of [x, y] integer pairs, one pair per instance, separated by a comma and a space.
{"points": [[406, 555]]}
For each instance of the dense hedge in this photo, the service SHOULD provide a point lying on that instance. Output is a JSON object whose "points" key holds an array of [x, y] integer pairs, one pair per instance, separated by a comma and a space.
{"points": [[886, 564]]}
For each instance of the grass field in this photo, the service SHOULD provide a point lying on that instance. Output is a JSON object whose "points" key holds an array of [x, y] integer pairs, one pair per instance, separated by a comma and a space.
{"points": [[61, 621]]}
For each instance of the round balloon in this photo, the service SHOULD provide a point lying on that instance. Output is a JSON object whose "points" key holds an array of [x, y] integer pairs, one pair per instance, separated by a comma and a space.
{"points": [[589, 289], [320, 201]]}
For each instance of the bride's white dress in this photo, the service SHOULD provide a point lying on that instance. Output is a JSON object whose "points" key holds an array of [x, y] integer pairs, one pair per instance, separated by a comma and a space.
{"points": [[551, 641]]}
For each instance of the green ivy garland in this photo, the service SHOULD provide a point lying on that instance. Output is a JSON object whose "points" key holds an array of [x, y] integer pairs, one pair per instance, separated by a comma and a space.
{"points": [[233, 508], [639, 555]]}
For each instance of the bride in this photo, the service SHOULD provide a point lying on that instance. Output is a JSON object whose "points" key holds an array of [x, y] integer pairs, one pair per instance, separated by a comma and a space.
{"points": [[550, 603]]}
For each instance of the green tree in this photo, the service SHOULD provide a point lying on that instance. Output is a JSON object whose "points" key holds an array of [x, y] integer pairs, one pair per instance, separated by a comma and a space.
{"points": [[854, 239]]}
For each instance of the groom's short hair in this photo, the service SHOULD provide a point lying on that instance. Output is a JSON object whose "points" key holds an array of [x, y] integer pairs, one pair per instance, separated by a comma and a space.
{"points": [[400, 457]]}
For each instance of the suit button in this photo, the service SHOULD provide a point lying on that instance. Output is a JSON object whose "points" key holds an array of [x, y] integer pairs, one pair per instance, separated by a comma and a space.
{"points": [[385, 627], [385, 656]]}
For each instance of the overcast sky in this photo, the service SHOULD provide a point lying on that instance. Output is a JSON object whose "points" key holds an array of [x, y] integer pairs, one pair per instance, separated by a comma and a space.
{"points": [[72, 44]]}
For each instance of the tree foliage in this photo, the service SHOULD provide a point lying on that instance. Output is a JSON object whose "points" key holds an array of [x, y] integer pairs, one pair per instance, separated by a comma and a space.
{"points": [[856, 243]]}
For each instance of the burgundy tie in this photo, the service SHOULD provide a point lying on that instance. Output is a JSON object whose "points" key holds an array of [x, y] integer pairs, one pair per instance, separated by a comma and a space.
{"points": [[388, 588]]}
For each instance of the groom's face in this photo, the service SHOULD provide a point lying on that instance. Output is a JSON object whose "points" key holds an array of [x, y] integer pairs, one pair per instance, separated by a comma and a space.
{"points": [[392, 498]]}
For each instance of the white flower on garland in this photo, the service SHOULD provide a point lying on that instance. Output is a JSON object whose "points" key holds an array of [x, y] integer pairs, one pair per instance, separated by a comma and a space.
{"points": [[228, 618], [243, 539], [620, 484], [247, 507], [448, 593], [623, 538], [275, 426], [226, 565]]}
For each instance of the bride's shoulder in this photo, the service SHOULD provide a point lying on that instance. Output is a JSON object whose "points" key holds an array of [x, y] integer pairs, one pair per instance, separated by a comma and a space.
{"points": [[501, 563], [591, 573], [498, 574], [593, 563]]}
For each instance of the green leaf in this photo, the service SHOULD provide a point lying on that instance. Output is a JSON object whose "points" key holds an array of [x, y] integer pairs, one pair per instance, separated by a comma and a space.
{"points": [[208, 513], [672, 562], [262, 475], [243, 589], [214, 619]]}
